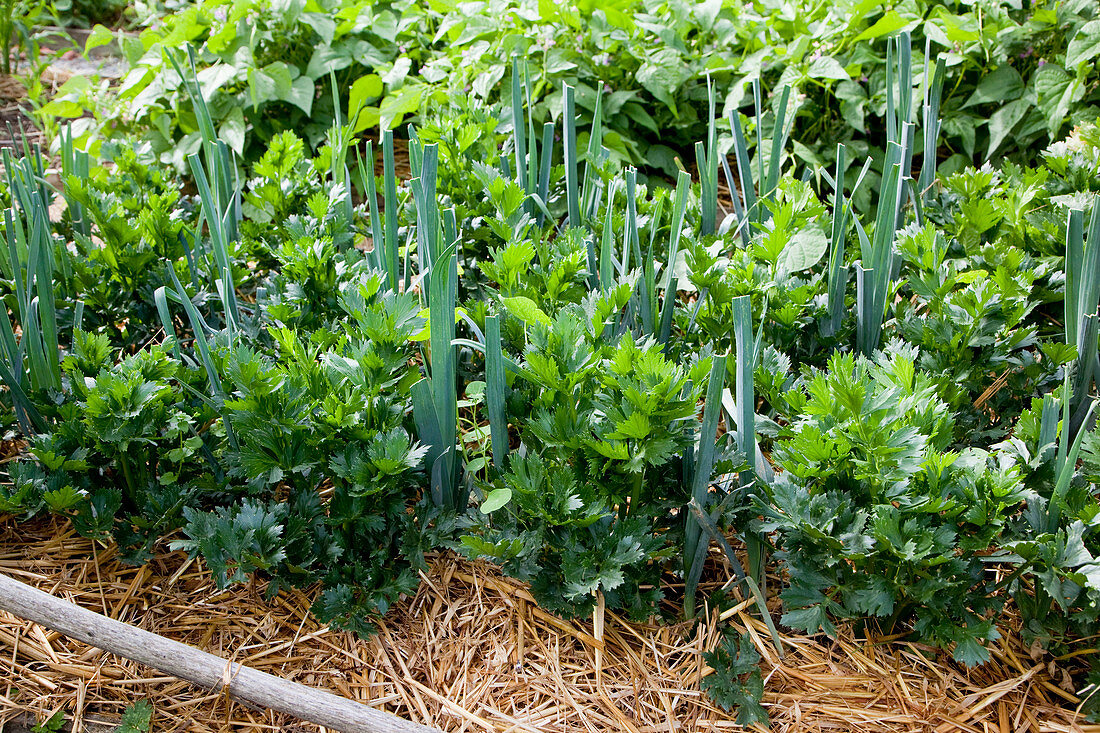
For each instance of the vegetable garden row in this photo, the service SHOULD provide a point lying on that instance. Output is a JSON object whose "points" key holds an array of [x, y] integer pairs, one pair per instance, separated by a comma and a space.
{"points": [[665, 281]]}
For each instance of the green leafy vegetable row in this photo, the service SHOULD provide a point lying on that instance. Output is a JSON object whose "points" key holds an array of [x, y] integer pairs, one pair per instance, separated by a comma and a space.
{"points": [[526, 353]]}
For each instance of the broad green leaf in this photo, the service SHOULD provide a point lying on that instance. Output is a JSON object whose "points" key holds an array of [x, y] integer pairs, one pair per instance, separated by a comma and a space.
{"points": [[323, 23], [397, 73], [1002, 85], [707, 12], [891, 22], [261, 87], [557, 62], [496, 499], [232, 130], [948, 29], [212, 78], [325, 59], [1002, 121], [405, 101], [526, 310], [282, 76], [365, 89], [65, 108], [1057, 90], [487, 80], [827, 67], [662, 74], [962, 128], [1085, 45], [804, 250], [853, 99], [100, 36]]}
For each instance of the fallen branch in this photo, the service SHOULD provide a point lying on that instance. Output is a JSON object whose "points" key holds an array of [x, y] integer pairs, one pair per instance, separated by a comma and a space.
{"points": [[196, 666]]}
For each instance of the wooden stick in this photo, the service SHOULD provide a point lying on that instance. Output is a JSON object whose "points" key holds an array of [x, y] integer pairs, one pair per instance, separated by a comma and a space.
{"points": [[196, 666]]}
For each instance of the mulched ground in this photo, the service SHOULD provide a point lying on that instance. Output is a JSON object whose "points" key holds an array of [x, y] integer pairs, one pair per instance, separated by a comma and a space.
{"points": [[13, 113], [470, 651]]}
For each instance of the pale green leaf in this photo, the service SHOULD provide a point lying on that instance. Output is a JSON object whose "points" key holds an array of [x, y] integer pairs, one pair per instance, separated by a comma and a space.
{"points": [[496, 499], [1085, 44], [827, 67], [526, 310], [804, 250]]}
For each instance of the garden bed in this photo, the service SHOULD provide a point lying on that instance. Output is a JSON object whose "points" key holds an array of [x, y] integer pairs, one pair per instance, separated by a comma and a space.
{"points": [[671, 370], [470, 651]]}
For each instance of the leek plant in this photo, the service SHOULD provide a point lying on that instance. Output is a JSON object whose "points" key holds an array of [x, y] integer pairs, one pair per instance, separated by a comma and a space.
{"points": [[706, 159], [435, 397], [607, 263], [695, 548], [1081, 304], [1068, 445], [216, 178], [202, 331], [647, 284], [339, 137], [594, 157], [643, 314], [877, 257], [224, 188], [220, 211], [878, 260], [533, 160], [222, 233], [383, 223], [424, 161], [837, 273], [581, 194], [569, 138], [26, 177], [931, 122], [39, 270], [632, 248], [76, 163], [838, 270], [899, 101], [1061, 448], [749, 209], [679, 207], [743, 417], [744, 414], [496, 391], [707, 522], [33, 362]]}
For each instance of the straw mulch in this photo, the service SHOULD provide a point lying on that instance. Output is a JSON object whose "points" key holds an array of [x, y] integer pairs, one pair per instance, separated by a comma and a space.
{"points": [[471, 652]]}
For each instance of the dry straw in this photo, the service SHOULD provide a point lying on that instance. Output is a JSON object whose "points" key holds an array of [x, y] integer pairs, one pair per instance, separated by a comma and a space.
{"points": [[472, 652]]}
